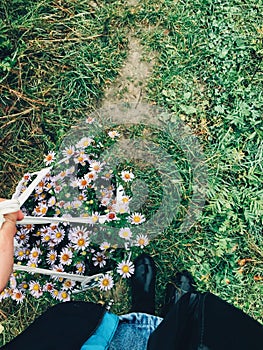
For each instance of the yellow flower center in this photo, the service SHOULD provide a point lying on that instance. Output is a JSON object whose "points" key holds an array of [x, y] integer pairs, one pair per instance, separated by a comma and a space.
{"points": [[64, 295], [81, 242], [95, 218], [105, 282], [65, 257], [141, 241], [36, 287], [125, 268], [136, 218]]}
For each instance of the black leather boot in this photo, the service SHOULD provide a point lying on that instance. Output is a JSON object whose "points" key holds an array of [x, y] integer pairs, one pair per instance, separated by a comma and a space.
{"points": [[181, 284], [143, 285]]}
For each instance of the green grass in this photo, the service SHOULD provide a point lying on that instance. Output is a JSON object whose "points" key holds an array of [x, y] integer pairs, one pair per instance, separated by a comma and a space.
{"points": [[56, 63]]}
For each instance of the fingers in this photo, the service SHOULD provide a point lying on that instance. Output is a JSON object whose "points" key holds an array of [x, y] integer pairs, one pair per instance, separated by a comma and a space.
{"points": [[20, 215], [17, 216]]}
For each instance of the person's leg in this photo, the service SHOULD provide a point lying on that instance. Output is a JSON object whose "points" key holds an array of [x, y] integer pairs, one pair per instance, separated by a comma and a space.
{"points": [[180, 284], [203, 321], [143, 285], [133, 331], [64, 326], [135, 328]]}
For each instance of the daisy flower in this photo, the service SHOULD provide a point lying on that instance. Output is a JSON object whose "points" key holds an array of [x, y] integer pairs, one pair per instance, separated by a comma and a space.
{"points": [[95, 166], [81, 197], [136, 218], [125, 269], [6, 293], [99, 259], [51, 257], [106, 282], [61, 175], [23, 286], [46, 237], [27, 177], [125, 233], [39, 189], [80, 268], [142, 241], [112, 134], [63, 296], [57, 188], [78, 232], [105, 201], [81, 158], [41, 209], [125, 199], [68, 284], [74, 183], [69, 151], [107, 175], [111, 216], [95, 217], [35, 254], [91, 176], [20, 253], [127, 176], [84, 142], [29, 228], [105, 246], [35, 289], [58, 268], [48, 287], [90, 120], [81, 243], [12, 282], [22, 236], [65, 256], [55, 293], [58, 235], [83, 183], [17, 295], [32, 264], [71, 170], [121, 208], [76, 204], [49, 158]]}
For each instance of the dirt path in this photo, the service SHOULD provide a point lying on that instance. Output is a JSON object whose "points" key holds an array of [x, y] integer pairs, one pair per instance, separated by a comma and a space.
{"points": [[133, 77]]}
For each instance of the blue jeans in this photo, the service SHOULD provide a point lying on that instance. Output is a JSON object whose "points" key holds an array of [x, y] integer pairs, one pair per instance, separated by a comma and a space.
{"points": [[130, 331], [133, 331]]}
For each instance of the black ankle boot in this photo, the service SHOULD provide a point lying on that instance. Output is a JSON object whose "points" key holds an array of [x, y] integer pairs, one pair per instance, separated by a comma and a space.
{"points": [[181, 284], [143, 285]]}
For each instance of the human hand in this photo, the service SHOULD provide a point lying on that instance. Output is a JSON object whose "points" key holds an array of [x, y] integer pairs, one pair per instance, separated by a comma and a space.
{"points": [[7, 232], [12, 217]]}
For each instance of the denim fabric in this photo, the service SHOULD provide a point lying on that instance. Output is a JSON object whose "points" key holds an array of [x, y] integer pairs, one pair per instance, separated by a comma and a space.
{"points": [[133, 331], [103, 335]]}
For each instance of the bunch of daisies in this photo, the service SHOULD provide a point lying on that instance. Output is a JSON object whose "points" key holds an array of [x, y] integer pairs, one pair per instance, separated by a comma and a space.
{"points": [[79, 185]]}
